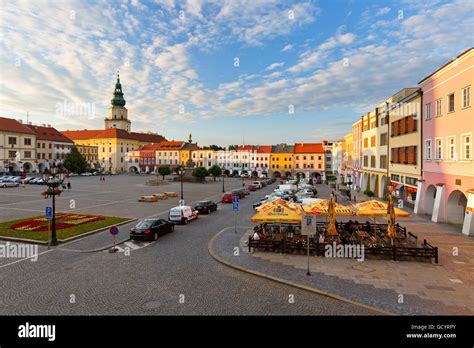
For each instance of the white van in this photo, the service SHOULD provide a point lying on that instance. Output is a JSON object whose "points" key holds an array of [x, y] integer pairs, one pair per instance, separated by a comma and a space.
{"points": [[257, 184], [182, 214], [286, 187]]}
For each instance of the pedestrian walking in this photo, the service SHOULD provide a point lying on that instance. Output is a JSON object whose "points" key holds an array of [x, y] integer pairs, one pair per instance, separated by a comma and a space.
{"points": [[68, 185]]}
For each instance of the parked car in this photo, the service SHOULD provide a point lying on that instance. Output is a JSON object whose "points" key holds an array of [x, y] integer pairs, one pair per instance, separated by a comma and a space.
{"points": [[151, 229], [182, 214], [263, 183], [8, 184], [246, 191], [257, 184], [238, 192], [227, 197], [252, 187], [205, 207], [27, 180]]}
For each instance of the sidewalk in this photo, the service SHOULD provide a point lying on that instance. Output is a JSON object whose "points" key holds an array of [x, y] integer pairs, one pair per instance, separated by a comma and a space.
{"points": [[406, 288]]}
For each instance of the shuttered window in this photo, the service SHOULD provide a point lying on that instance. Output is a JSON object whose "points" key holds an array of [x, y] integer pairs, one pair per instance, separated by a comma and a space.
{"points": [[395, 128], [411, 155], [402, 126]]}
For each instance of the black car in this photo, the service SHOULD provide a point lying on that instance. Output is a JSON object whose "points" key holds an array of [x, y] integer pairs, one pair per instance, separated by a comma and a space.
{"points": [[238, 192], [151, 229], [205, 207]]}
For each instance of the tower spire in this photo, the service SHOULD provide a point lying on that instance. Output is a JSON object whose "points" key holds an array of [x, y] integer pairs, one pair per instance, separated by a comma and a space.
{"points": [[118, 99]]}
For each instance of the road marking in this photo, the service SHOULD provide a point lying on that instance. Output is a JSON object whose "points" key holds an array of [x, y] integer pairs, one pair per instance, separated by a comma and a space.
{"points": [[26, 258], [133, 245]]}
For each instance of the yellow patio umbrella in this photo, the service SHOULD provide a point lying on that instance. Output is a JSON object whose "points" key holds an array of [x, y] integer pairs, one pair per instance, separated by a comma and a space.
{"points": [[391, 232], [271, 204], [332, 231], [322, 208], [279, 212], [374, 208]]}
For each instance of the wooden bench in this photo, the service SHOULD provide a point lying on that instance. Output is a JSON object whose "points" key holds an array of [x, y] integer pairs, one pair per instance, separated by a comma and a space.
{"points": [[148, 199], [160, 195]]}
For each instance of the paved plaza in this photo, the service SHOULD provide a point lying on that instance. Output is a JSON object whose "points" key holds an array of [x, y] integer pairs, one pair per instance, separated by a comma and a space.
{"points": [[155, 277]]}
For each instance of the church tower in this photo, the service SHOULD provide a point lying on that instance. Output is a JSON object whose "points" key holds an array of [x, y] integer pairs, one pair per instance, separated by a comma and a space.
{"points": [[117, 116]]}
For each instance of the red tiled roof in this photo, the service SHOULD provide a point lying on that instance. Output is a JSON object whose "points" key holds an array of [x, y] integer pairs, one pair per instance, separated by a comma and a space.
{"points": [[246, 148], [170, 145], [113, 133], [12, 125], [309, 148], [264, 149], [49, 133]]}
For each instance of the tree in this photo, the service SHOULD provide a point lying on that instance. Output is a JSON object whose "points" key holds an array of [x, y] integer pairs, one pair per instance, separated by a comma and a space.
{"points": [[214, 147], [164, 170], [215, 171], [232, 147], [178, 168], [75, 162], [200, 173]]}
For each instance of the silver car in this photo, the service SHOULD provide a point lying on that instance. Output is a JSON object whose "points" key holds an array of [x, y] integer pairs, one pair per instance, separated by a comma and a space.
{"points": [[4, 184]]}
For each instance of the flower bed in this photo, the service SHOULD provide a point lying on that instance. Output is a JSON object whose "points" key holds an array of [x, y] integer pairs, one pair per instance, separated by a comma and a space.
{"points": [[62, 221]]}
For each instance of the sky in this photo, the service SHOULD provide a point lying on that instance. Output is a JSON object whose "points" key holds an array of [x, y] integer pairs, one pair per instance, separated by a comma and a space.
{"points": [[227, 71]]}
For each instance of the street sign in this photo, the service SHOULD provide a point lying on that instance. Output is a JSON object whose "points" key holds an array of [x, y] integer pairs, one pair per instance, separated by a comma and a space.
{"points": [[308, 225], [48, 213], [114, 230], [235, 203]]}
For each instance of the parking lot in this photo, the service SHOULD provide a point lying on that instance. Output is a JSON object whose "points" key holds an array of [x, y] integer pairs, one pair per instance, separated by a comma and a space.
{"points": [[116, 196]]}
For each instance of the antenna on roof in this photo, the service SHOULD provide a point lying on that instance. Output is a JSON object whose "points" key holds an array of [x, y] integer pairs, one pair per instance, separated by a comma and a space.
{"points": [[27, 117]]}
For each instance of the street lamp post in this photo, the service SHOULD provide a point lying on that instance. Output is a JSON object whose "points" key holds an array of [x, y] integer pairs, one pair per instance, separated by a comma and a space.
{"points": [[53, 182], [181, 172], [223, 176]]}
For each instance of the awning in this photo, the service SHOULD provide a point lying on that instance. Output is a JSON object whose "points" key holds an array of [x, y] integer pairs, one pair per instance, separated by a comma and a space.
{"points": [[399, 187]]}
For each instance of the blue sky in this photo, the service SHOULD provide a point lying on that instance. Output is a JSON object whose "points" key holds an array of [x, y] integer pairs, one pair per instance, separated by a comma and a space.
{"points": [[331, 61]]}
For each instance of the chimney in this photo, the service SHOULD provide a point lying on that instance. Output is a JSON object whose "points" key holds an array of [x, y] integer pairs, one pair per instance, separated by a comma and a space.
{"points": [[49, 125], [20, 120], [30, 123]]}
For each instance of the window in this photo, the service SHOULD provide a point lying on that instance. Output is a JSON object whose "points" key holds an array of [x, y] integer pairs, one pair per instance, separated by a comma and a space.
{"points": [[366, 142], [297, 157], [395, 177], [428, 111], [451, 102], [428, 149], [372, 161], [319, 165], [411, 181], [11, 154], [50, 146], [383, 139], [50, 155], [27, 141], [466, 141], [438, 107], [451, 155], [466, 97], [372, 141], [43, 145], [383, 161], [438, 148], [11, 141], [366, 161]]}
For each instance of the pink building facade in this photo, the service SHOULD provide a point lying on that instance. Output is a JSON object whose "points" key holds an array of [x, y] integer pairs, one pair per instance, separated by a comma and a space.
{"points": [[447, 182], [357, 154]]}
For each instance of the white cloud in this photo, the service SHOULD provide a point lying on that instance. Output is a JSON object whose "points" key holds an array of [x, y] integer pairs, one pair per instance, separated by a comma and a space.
{"points": [[288, 47], [274, 66], [383, 11]]}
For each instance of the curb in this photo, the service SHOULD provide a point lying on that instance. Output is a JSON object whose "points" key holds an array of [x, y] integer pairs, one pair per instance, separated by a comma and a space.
{"points": [[95, 231], [287, 282], [96, 250]]}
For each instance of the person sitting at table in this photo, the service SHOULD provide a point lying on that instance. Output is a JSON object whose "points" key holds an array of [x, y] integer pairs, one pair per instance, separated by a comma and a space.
{"points": [[255, 236], [367, 226]]}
